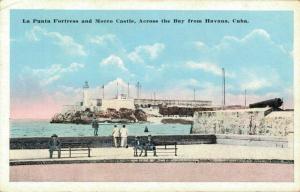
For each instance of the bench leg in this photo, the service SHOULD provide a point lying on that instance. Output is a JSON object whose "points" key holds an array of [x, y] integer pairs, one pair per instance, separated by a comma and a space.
{"points": [[154, 153], [50, 153], [141, 152], [89, 152], [69, 151], [175, 150], [59, 152]]}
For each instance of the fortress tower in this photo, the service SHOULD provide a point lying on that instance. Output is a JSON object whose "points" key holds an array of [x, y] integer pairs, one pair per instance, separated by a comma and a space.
{"points": [[86, 99]]}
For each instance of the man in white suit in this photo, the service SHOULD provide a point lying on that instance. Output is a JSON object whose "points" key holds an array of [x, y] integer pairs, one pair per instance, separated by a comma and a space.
{"points": [[116, 135], [124, 134]]}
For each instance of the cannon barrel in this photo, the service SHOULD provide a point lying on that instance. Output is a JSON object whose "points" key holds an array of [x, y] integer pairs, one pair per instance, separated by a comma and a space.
{"points": [[274, 103]]}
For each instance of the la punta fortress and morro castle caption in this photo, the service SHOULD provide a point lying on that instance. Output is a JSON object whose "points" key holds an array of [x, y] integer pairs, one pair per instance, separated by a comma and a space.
{"points": [[139, 21]]}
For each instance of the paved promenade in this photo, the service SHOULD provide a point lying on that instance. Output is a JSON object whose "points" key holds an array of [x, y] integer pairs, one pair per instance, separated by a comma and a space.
{"points": [[186, 153], [154, 172], [194, 163]]}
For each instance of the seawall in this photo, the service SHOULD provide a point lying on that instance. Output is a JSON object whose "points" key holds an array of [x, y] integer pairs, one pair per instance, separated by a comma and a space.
{"points": [[244, 140], [254, 121], [42, 142]]}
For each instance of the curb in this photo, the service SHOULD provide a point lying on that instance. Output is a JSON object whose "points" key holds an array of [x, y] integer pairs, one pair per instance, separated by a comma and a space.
{"points": [[46, 162]]}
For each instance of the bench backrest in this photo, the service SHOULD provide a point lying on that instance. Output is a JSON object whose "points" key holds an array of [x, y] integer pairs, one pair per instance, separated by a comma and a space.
{"points": [[164, 143], [75, 144]]}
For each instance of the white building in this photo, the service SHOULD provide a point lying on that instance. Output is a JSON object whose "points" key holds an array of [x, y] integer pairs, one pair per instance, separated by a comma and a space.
{"points": [[123, 101], [117, 103]]}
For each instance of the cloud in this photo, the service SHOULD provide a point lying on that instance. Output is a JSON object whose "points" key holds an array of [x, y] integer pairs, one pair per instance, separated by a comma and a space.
{"points": [[255, 60], [34, 33], [189, 82], [146, 51], [253, 35], [257, 32], [256, 84], [200, 45], [208, 67], [184, 90], [117, 85], [69, 89], [114, 61], [258, 81], [103, 39], [67, 43], [228, 42], [54, 72]]}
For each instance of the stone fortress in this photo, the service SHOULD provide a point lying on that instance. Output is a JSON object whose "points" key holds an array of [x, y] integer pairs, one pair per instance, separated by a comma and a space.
{"points": [[123, 101], [262, 118]]}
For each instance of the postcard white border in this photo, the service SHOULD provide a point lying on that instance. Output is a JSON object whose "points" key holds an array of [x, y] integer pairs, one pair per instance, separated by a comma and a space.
{"points": [[7, 5]]}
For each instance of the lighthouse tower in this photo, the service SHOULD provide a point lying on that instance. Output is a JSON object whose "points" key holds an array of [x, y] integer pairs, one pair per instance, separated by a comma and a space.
{"points": [[86, 99]]}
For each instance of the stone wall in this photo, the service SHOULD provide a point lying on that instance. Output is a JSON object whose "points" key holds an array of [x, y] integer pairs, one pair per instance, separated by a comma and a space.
{"points": [[42, 142], [117, 104], [278, 123], [256, 121], [182, 103], [246, 140]]}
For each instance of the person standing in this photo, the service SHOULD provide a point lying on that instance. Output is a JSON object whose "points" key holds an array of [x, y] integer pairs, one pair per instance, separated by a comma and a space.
{"points": [[146, 129], [124, 135], [116, 135], [95, 125]]}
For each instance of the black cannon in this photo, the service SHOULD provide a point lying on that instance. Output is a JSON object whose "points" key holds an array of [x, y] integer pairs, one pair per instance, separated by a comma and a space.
{"points": [[274, 103]]}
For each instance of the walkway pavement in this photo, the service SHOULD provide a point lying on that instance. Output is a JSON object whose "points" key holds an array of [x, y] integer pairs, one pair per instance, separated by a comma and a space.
{"points": [[154, 172], [186, 153]]}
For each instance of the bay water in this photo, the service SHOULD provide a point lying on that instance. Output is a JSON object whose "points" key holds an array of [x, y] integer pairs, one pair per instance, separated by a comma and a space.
{"points": [[42, 128]]}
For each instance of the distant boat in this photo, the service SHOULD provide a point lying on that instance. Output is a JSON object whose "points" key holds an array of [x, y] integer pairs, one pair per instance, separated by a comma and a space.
{"points": [[146, 130]]}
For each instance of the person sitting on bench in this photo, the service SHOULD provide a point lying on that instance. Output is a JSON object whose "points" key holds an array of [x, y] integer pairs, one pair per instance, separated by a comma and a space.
{"points": [[54, 145], [149, 146], [137, 145]]}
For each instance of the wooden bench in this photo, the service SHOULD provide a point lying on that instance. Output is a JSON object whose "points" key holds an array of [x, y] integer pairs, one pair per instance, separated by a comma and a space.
{"points": [[160, 147], [166, 147], [76, 146]]}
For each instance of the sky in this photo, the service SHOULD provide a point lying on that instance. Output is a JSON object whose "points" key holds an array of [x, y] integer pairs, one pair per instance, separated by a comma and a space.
{"points": [[49, 62]]}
